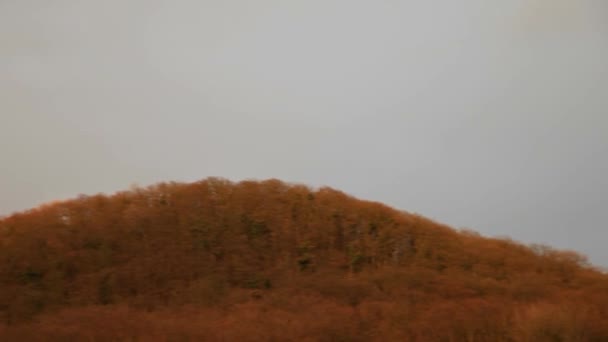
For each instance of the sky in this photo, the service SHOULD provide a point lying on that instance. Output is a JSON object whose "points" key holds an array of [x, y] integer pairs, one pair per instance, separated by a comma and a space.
{"points": [[486, 115]]}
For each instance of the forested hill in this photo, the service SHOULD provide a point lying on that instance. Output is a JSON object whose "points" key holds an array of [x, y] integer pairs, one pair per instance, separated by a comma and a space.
{"points": [[253, 261]]}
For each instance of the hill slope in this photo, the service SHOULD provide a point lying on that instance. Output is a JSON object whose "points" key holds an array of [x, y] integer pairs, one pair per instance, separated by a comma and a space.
{"points": [[216, 260]]}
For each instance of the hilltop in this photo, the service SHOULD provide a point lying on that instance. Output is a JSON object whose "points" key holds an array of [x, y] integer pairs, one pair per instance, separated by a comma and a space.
{"points": [[250, 261]]}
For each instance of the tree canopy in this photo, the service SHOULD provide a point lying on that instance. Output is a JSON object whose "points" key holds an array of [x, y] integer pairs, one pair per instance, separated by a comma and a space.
{"points": [[268, 260]]}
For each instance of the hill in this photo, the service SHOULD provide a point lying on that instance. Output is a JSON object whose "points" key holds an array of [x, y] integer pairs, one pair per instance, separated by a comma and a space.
{"points": [[253, 261]]}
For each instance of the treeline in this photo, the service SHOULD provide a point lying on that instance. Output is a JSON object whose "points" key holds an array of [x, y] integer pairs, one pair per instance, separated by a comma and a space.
{"points": [[250, 261]]}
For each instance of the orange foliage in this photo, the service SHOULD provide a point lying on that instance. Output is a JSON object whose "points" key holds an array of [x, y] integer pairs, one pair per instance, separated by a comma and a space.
{"points": [[250, 261]]}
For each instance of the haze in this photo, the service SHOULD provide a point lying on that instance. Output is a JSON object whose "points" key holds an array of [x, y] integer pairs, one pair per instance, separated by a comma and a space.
{"points": [[478, 114]]}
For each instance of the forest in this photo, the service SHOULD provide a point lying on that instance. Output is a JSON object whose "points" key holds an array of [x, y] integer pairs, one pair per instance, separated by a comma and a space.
{"points": [[217, 260]]}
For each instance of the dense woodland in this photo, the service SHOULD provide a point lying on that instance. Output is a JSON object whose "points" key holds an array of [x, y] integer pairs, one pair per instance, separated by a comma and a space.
{"points": [[269, 261]]}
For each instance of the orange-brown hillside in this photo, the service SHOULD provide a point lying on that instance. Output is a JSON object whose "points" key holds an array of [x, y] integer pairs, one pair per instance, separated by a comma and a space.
{"points": [[254, 261]]}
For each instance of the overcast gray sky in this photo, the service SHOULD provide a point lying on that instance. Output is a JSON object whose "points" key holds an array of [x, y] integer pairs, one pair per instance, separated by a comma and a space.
{"points": [[490, 115]]}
